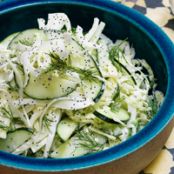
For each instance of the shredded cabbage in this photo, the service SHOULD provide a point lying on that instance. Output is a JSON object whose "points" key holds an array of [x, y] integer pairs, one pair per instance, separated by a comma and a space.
{"points": [[125, 86]]}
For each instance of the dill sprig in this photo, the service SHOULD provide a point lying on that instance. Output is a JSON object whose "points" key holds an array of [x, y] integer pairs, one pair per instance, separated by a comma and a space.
{"points": [[26, 42], [20, 67], [88, 141], [6, 112], [12, 87], [17, 120], [61, 65], [47, 122], [4, 127], [114, 57], [116, 51]]}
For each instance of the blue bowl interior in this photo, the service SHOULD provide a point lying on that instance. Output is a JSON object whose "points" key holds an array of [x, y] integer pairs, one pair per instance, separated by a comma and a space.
{"points": [[148, 40], [116, 28]]}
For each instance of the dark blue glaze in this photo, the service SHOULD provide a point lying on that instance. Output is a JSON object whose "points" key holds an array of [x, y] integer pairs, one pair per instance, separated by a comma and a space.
{"points": [[150, 43]]}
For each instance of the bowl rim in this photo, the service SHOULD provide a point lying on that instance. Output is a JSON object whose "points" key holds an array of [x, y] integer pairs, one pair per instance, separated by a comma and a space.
{"points": [[152, 129]]}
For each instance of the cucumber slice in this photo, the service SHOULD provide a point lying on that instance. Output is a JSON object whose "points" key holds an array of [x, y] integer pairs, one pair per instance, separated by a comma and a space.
{"points": [[93, 89], [74, 101], [69, 104], [124, 70], [66, 128], [51, 85], [8, 39], [70, 148], [110, 92], [79, 145], [106, 114], [79, 58], [26, 39], [72, 104], [15, 139]]}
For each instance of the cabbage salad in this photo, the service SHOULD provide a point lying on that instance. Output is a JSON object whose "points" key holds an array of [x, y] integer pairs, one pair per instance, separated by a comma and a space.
{"points": [[67, 92]]}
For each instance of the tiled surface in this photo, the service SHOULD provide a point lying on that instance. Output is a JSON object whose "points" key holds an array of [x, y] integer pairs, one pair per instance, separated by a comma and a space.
{"points": [[157, 10], [161, 14]]}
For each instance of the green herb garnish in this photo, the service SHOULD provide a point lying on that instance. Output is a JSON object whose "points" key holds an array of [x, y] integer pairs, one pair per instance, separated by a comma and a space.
{"points": [[62, 66], [6, 112], [113, 56], [88, 141]]}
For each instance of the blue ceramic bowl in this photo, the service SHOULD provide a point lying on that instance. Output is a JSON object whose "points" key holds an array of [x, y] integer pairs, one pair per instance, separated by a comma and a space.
{"points": [[150, 43]]}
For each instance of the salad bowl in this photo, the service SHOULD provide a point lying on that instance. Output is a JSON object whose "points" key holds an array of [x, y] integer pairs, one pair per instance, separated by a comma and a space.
{"points": [[150, 43]]}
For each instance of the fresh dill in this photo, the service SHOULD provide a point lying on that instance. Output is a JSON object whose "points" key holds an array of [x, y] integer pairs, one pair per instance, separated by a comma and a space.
{"points": [[26, 42], [88, 141], [47, 122], [6, 112], [12, 87], [3, 127], [116, 52], [120, 67], [61, 65], [17, 120]]}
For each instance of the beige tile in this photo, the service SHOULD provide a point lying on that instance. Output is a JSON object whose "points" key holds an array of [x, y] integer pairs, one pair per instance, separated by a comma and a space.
{"points": [[162, 164], [128, 3], [172, 5], [141, 3], [166, 3], [159, 15]]}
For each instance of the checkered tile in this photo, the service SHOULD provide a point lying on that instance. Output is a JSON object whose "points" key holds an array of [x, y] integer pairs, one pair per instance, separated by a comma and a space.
{"points": [[157, 10]]}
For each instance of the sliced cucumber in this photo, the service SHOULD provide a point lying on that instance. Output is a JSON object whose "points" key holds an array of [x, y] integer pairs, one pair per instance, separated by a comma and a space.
{"points": [[80, 144], [15, 139], [74, 101], [116, 63], [83, 61], [8, 39], [93, 89], [50, 85], [26, 39], [79, 58], [66, 128], [106, 114], [111, 87], [70, 148], [72, 104]]}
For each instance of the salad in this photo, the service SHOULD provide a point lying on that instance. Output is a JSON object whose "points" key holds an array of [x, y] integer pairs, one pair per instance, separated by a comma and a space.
{"points": [[67, 92]]}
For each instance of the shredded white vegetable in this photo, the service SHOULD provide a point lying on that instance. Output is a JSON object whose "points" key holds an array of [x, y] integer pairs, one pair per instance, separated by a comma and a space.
{"points": [[57, 73]]}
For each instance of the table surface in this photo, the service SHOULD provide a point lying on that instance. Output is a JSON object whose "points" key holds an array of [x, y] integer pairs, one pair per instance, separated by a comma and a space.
{"points": [[160, 12]]}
